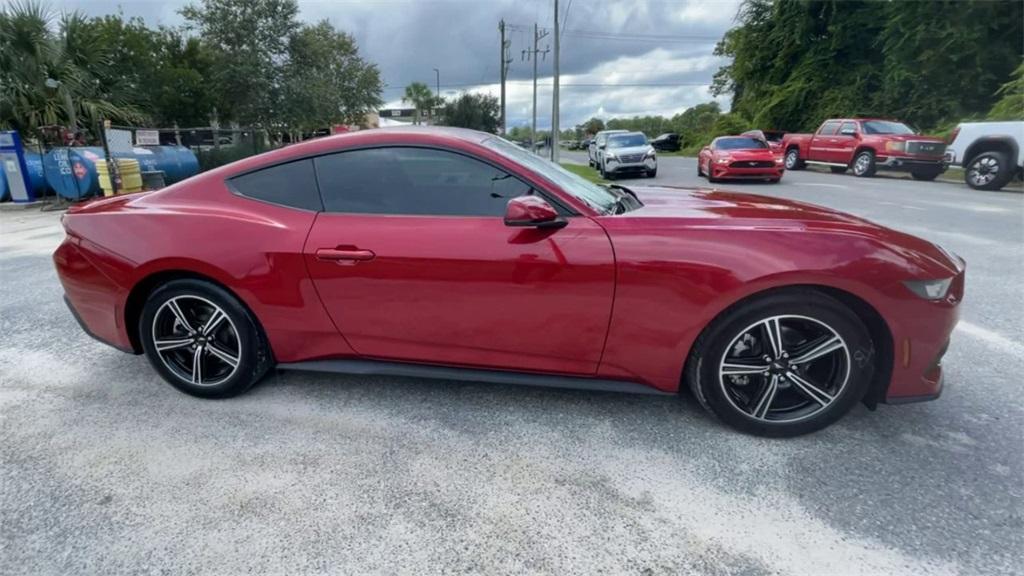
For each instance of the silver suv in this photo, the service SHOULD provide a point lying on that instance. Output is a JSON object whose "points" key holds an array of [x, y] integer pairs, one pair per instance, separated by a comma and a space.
{"points": [[597, 145], [628, 152]]}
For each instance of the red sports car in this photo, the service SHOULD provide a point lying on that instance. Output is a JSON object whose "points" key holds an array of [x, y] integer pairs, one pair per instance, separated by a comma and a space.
{"points": [[455, 254], [740, 157]]}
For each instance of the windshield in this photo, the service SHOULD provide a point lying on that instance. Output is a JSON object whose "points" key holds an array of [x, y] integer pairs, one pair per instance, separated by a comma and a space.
{"points": [[626, 140], [597, 197], [886, 127], [739, 143]]}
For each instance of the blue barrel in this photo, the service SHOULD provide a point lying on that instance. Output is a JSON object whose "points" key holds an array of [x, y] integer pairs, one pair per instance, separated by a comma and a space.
{"points": [[36, 180], [176, 162], [71, 172]]}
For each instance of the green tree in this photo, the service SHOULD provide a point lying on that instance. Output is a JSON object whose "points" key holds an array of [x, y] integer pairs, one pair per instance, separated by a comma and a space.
{"points": [[476, 111], [249, 40], [326, 81], [421, 98], [1011, 103], [797, 62], [593, 126], [53, 68]]}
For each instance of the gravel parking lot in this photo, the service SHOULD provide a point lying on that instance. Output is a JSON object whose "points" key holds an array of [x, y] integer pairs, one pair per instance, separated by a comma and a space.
{"points": [[105, 469]]}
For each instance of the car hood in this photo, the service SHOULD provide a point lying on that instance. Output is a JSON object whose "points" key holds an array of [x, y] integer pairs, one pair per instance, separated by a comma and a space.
{"points": [[687, 208], [630, 150], [908, 137], [747, 154]]}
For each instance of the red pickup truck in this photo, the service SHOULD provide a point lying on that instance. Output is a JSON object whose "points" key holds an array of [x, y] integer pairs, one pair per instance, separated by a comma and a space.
{"points": [[865, 145]]}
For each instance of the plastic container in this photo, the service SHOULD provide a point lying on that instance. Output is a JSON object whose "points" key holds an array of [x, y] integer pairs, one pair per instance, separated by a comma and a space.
{"points": [[37, 182]]}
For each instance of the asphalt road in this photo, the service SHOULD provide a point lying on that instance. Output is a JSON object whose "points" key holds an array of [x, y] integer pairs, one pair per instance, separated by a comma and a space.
{"points": [[104, 469]]}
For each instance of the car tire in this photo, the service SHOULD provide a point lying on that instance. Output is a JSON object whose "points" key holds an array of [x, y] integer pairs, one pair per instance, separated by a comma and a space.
{"points": [[700, 172], [926, 175], [812, 394], [792, 160], [774, 180], [838, 169], [989, 171], [864, 164], [217, 361], [652, 173]]}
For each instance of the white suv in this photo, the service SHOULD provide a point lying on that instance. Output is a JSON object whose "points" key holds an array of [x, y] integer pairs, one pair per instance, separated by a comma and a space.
{"points": [[990, 153], [596, 146]]}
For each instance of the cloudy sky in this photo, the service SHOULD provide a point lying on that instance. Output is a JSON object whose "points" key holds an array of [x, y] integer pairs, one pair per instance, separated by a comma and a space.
{"points": [[619, 57]]}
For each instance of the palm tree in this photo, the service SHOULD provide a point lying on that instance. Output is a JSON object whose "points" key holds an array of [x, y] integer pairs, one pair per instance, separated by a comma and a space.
{"points": [[421, 97], [42, 71]]}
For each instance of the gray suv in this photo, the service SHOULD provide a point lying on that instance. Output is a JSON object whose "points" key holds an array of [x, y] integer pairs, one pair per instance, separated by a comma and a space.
{"points": [[628, 152]]}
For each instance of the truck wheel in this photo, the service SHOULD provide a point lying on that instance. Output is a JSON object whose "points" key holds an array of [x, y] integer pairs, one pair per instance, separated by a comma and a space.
{"points": [[926, 174], [864, 164], [988, 171], [838, 169], [793, 161]]}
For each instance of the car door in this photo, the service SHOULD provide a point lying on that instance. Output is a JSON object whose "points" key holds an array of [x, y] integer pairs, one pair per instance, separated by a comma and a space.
{"points": [[822, 143], [413, 262], [846, 142]]}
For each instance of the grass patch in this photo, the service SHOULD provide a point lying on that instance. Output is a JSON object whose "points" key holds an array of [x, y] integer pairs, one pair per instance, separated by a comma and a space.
{"points": [[584, 171]]}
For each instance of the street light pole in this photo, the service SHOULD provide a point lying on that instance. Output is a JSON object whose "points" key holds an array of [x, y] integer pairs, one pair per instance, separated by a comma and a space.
{"points": [[554, 95], [438, 74]]}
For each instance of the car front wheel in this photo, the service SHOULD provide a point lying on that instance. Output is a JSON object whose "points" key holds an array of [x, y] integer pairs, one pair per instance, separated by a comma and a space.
{"points": [[988, 171], [785, 364], [864, 164], [201, 339]]}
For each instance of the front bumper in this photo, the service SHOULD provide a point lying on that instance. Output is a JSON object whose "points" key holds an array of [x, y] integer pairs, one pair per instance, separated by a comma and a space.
{"points": [[909, 163], [726, 171], [619, 167]]}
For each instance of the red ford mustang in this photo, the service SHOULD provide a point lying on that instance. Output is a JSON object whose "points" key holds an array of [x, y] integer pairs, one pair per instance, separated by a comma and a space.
{"points": [[455, 254], [746, 157]]}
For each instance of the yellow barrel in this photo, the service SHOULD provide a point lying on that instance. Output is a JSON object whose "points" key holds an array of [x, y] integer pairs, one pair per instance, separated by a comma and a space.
{"points": [[131, 176]]}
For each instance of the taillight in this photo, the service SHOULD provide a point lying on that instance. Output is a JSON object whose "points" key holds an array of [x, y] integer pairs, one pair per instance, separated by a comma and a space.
{"points": [[953, 135]]}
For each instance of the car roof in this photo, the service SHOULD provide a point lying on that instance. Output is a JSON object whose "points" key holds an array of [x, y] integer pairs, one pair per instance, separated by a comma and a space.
{"points": [[610, 132], [628, 133]]}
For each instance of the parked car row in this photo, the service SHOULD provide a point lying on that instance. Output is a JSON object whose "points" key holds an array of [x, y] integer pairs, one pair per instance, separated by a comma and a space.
{"points": [[989, 152]]}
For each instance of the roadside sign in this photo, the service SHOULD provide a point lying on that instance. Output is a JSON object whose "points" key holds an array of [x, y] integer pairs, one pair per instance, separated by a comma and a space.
{"points": [[147, 138]]}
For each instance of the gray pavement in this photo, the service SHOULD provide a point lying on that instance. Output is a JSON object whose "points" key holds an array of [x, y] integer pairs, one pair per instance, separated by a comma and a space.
{"points": [[104, 469]]}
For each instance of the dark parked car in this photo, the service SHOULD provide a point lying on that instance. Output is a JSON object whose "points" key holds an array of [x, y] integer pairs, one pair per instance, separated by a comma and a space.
{"points": [[669, 142]]}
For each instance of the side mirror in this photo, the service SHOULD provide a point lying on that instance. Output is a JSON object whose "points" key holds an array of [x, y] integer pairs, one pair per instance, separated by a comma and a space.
{"points": [[602, 146], [532, 211]]}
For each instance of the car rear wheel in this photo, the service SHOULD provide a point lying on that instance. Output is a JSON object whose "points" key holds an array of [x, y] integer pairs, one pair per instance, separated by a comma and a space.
{"points": [[988, 171], [786, 364], [864, 164], [793, 161], [201, 340]]}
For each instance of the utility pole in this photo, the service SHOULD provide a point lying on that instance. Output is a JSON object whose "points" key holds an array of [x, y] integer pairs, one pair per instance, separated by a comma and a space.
{"points": [[537, 36], [505, 61], [554, 96], [438, 73]]}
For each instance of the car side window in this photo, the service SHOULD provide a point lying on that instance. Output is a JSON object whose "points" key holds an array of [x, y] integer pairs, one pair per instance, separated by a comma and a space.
{"points": [[292, 184], [848, 127], [829, 128], [414, 181]]}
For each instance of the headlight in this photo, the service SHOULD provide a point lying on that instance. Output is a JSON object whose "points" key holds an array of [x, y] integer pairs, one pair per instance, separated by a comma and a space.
{"points": [[929, 289], [895, 146], [609, 155], [723, 160], [779, 160], [650, 153]]}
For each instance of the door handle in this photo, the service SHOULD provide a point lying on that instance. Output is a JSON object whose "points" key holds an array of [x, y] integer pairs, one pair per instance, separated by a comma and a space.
{"points": [[344, 253]]}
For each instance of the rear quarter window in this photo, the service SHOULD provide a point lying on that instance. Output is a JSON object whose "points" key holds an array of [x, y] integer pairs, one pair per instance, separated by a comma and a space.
{"points": [[292, 185]]}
